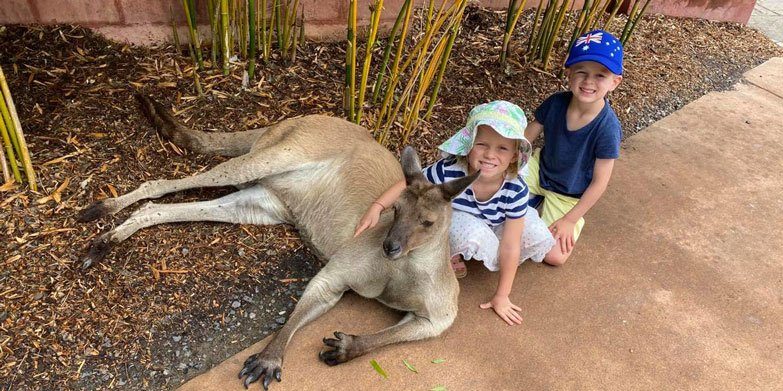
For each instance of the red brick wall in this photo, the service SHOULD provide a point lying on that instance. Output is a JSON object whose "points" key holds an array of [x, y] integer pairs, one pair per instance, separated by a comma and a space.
{"points": [[147, 21]]}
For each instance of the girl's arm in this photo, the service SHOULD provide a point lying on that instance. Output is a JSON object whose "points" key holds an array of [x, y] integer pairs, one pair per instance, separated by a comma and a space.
{"points": [[509, 261], [373, 214]]}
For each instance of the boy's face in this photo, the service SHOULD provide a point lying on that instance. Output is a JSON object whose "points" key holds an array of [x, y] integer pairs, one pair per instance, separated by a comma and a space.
{"points": [[590, 81], [491, 153]]}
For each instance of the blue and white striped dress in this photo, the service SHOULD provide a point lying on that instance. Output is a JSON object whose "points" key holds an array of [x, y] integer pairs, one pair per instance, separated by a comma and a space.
{"points": [[476, 227]]}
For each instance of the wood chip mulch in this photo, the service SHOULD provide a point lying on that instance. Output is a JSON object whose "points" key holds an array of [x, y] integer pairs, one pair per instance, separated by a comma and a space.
{"points": [[213, 289]]}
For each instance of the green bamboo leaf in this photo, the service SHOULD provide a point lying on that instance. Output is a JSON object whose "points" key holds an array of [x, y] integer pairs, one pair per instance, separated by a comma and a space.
{"points": [[438, 388], [409, 366], [378, 369], [438, 360]]}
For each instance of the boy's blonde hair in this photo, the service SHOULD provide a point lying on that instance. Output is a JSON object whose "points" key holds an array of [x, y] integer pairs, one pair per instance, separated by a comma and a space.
{"points": [[513, 167]]}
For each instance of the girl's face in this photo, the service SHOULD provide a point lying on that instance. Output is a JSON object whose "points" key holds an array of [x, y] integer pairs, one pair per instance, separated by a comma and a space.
{"points": [[590, 81], [491, 153]]}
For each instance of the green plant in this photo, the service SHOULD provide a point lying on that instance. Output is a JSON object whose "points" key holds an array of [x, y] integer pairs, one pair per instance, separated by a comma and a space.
{"points": [[13, 138], [513, 12], [633, 19]]}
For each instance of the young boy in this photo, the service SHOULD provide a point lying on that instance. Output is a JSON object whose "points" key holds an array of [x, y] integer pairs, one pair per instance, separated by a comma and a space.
{"points": [[581, 140]]}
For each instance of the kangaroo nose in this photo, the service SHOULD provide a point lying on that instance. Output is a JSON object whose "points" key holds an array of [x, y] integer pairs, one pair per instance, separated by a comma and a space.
{"points": [[391, 248]]}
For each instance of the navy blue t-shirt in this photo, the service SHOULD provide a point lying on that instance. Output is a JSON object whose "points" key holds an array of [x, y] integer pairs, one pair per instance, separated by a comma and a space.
{"points": [[568, 157]]}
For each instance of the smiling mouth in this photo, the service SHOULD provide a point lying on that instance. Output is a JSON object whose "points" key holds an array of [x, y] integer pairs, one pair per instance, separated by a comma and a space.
{"points": [[587, 91], [488, 165]]}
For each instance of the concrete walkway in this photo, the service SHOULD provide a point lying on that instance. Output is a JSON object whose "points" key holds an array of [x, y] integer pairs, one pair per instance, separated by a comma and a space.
{"points": [[677, 282], [767, 17]]}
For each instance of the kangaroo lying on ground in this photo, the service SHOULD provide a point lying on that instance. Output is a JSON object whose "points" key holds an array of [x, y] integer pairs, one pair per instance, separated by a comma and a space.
{"points": [[319, 174]]}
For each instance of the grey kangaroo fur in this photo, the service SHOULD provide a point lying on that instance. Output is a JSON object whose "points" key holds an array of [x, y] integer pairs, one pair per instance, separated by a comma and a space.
{"points": [[320, 174]]}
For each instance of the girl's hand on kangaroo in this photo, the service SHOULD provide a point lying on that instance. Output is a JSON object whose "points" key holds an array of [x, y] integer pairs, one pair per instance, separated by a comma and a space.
{"points": [[369, 220]]}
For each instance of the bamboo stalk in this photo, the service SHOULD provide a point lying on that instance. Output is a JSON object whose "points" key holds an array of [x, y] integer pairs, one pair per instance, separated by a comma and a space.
{"points": [[374, 23], [510, 24], [418, 53], [424, 83], [635, 21], [443, 62], [4, 166], [556, 32], [599, 14], [291, 26], [430, 7], [9, 151], [616, 8], [294, 42], [394, 74], [9, 124], [533, 32], [194, 42], [25, 156], [174, 30], [215, 27], [387, 51], [272, 25], [582, 16], [542, 30], [251, 15], [262, 32], [225, 34], [350, 62], [243, 28], [279, 23], [628, 22], [302, 28], [454, 17]]}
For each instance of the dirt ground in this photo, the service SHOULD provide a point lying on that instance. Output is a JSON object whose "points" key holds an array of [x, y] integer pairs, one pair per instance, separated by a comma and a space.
{"points": [[173, 300]]}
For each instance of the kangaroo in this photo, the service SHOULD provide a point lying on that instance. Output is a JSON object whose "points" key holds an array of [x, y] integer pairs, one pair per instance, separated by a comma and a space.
{"points": [[318, 173]]}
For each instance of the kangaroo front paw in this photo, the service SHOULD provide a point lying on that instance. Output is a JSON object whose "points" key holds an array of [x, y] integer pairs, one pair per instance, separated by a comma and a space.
{"points": [[339, 349], [257, 366]]}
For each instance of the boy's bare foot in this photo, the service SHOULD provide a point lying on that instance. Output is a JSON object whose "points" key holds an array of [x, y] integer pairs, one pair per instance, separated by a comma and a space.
{"points": [[458, 264]]}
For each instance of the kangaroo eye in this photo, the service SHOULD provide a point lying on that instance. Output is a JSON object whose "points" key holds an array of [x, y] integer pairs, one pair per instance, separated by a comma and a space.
{"points": [[427, 223]]}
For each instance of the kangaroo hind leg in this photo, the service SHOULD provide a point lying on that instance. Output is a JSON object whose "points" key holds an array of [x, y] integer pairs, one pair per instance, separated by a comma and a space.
{"points": [[234, 172], [253, 205], [220, 143]]}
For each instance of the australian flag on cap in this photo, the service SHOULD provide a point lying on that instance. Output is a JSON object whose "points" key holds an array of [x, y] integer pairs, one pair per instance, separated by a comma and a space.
{"points": [[598, 46]]}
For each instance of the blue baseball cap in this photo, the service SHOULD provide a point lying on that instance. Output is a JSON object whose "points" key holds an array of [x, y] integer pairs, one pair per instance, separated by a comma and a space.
{"points": [[598, 46]]}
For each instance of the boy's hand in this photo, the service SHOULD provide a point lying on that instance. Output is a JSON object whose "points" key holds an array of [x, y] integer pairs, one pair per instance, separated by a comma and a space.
{"points": [[563, 232], [370, 218], [505, 309]]}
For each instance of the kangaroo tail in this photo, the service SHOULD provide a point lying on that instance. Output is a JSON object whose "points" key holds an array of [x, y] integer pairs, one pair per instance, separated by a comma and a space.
{"points": [[164, 122]]}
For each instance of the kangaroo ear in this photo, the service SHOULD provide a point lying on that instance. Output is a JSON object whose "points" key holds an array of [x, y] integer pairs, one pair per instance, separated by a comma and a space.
{"points": [[411, 166], [453, 188]]}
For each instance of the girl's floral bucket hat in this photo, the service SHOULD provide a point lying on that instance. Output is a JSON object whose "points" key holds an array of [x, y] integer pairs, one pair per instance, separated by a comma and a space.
{"points": [[504, 117]]}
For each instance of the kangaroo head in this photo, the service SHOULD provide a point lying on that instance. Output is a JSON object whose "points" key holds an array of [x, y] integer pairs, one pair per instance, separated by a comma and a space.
{"points": [[423, 211]]}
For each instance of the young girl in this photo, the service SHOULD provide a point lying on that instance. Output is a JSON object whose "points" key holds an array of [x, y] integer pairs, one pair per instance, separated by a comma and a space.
{"points": [[492, 222]]}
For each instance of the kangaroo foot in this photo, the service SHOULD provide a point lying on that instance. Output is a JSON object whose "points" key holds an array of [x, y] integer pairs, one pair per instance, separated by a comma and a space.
{"points": [[98, 250], [258, 366], [93, 212], [338, 350]]}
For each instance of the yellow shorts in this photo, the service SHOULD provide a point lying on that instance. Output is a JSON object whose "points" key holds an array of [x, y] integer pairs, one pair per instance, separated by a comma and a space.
{"points": [[555, 205]]}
